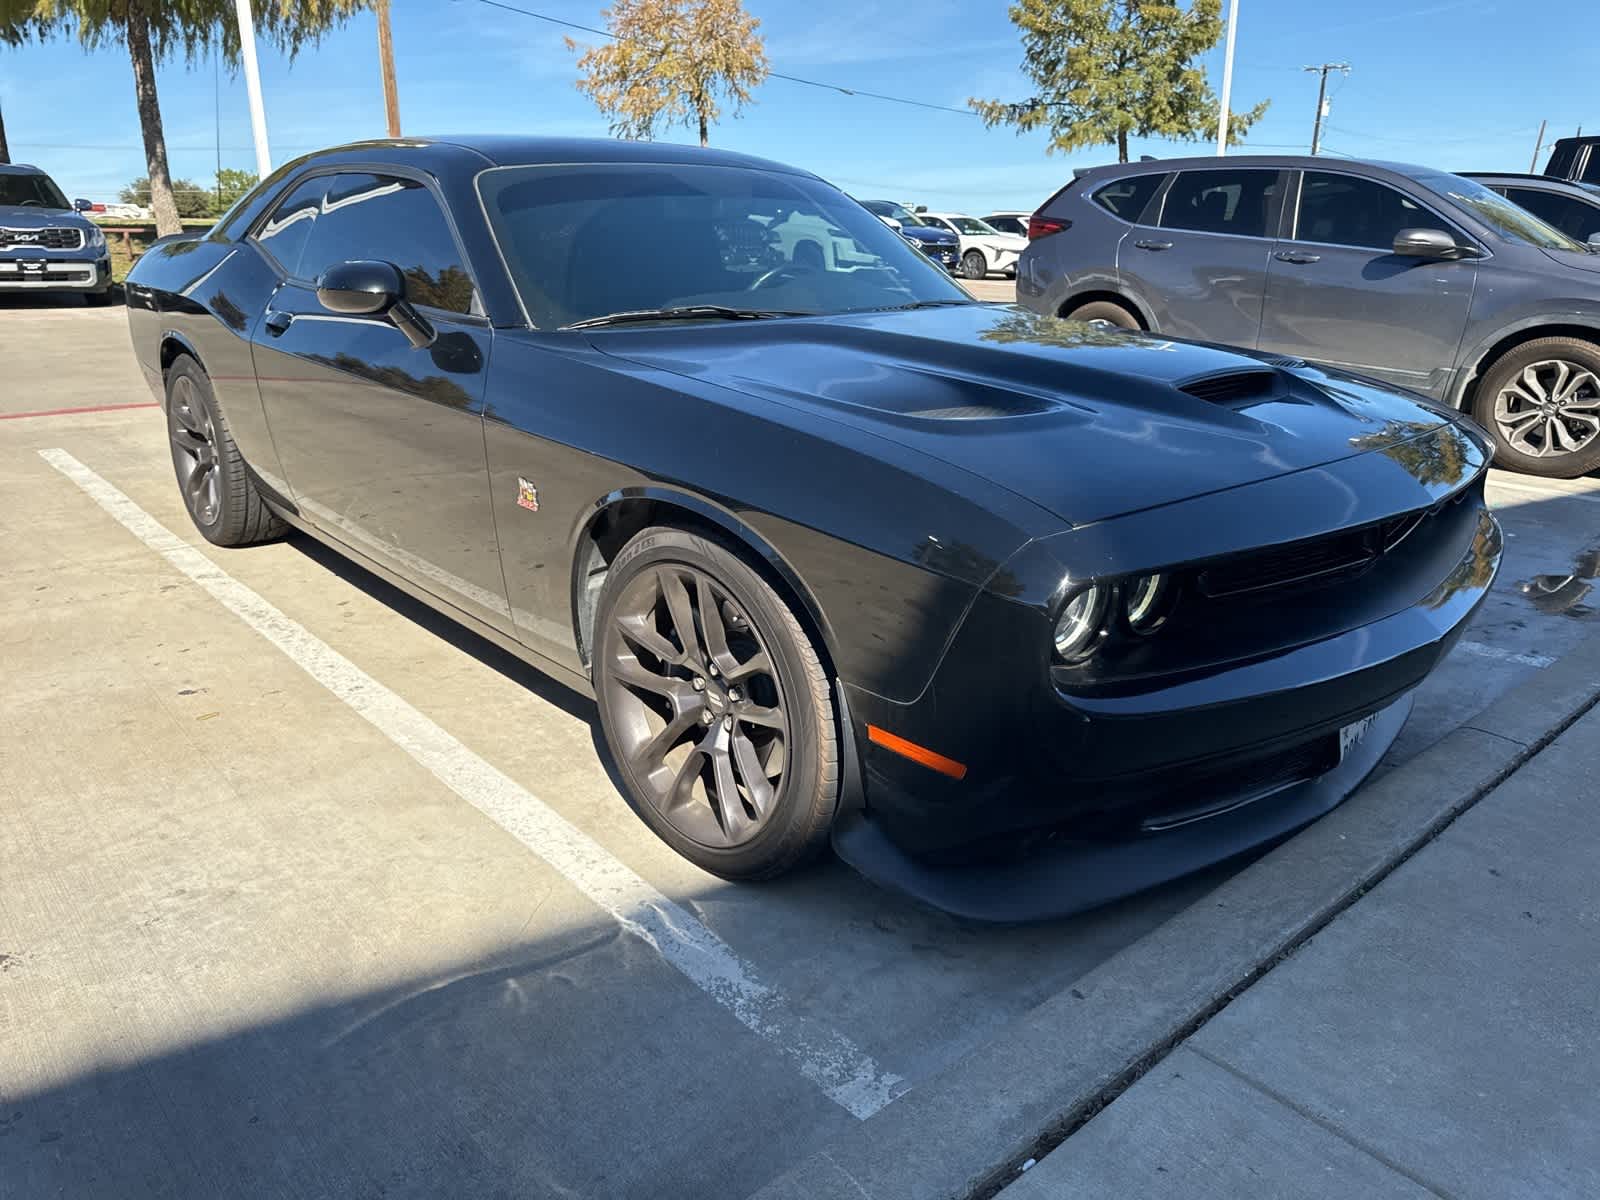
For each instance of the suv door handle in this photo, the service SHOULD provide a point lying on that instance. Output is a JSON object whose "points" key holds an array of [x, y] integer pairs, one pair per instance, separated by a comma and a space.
{"points": [[277, 321], [1296, 256], [1153, 245]]}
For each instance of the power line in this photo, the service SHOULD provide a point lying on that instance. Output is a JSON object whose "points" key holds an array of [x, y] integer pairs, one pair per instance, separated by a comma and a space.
{"points": [[816, 83]]}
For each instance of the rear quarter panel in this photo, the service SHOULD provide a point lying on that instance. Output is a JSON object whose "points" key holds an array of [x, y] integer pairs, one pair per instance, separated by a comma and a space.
{"points": [[203, 296]]}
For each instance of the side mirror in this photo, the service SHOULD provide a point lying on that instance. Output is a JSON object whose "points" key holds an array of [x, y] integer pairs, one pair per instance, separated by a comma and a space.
{"points": [[1594, 243], [1429, 243], [921, 208], [372, 289], [83, 205]]}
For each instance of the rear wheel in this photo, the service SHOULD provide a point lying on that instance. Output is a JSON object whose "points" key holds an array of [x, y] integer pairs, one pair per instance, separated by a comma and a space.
{"points": [[1541, 404], [974, 265], [715, 705], [1103, 312], [217, 491]]}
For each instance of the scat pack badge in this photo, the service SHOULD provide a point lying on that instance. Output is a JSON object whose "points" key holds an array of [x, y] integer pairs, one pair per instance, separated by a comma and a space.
{"points": [[527, 495]]}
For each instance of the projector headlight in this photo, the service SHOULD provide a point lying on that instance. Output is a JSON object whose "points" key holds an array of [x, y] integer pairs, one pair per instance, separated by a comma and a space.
{"points": [[1080, 623], [1148, 600], [96, 238]]}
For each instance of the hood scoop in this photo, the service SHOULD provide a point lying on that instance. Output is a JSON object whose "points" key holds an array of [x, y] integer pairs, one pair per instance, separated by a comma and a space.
{"points": [[1235, 387]]}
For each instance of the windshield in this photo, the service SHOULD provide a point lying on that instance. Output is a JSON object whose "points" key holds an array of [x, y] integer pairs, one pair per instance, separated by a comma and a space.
{"points": [[1510, 221], [586, 241], [33, 191], [884, 208], [971, 225]]}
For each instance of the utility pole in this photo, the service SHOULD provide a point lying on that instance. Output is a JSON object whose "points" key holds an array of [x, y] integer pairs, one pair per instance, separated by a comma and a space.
{"points": [[1227, 80], [1533, 167], [391, 91], [1322, 99], [252, 82]]}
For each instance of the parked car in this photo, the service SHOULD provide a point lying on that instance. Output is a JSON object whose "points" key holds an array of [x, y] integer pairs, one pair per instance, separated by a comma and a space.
{"points": [[1573, 208], [1407, 274], [1024, 613], [938, 244], [1576, 158], [983, 248], [45, 243], [1009, 222]]}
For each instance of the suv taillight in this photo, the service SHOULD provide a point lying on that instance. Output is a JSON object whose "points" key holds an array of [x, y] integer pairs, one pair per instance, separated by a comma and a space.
{"points": [[1040, 227]]}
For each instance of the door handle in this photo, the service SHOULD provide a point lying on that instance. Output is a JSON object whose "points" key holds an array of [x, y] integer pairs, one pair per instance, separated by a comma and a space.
{"points": [[1153, 245], [277, 321], [1296, 256]]}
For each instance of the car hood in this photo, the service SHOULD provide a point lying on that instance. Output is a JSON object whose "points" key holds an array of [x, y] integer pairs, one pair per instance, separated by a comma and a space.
{"points": [[1581, 259], [16, 216], [923, 233], [1087, 422]]}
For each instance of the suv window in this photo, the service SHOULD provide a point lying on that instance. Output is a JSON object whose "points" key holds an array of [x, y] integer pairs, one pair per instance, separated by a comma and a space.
{"points": [[1343, 210], [393, 220], [1236, 202], [1127, 197], [1577, 219]]}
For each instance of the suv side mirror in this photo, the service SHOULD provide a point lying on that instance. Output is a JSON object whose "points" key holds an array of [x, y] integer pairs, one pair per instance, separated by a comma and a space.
{"points": [[370, 289], [1594, 243], [1429, 243], [83, 205]]}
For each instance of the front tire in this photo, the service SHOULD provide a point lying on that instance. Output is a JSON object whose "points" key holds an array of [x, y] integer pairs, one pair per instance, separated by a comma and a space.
{"points": [[221, 498], [974, 265], [1541, 404], [715, 705]]}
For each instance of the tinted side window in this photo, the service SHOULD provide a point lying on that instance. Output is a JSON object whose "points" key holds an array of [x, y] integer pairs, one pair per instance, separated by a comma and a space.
{"points": [[283, 235], [1591, 168], [1343, 210], [1236, 202], [1127, 197], [393, 220], [1574, 218]]}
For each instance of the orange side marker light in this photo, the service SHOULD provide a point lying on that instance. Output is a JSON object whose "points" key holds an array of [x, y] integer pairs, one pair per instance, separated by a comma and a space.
{"points": [[917, 754]]}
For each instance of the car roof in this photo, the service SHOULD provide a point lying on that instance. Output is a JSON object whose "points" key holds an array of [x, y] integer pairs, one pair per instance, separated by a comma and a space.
{"points": [[1589, 191], [1279, 161], [513, 150], [19, 169]]}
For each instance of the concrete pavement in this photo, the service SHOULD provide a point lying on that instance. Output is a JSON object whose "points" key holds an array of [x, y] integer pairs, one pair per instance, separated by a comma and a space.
{"points": [[1437, 1039]]}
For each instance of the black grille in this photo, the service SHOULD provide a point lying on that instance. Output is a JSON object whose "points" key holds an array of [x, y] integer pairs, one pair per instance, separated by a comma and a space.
{"points": [[1347, 552], [1233, 386], [58, 238]]}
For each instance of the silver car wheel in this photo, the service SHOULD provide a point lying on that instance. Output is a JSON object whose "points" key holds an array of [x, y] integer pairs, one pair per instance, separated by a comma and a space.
{"points": [[1549, 408]]}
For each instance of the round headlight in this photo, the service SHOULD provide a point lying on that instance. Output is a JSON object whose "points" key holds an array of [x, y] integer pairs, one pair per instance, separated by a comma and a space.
{"points": [[1078, 626], [1149, 601]]}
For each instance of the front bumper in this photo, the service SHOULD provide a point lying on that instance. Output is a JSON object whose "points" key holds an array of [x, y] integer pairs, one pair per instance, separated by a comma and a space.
{"points": [[947, 256], [1075, 795], [19, 273]]}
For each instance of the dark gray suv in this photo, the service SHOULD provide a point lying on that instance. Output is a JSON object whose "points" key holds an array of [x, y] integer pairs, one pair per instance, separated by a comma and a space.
{"points": [[1406, 274], [45, 243]]}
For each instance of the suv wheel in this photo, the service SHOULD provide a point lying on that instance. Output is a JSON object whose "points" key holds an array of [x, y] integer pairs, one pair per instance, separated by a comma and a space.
{"points": [[1541, 404], [974, 265]]}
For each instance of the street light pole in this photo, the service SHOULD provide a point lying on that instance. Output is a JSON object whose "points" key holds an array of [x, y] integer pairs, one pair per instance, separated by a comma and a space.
{"points": [[252, 82], [1227, 79]]}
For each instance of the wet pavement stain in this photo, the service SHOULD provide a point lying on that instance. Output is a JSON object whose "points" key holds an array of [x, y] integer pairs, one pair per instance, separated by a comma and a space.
{"points": [[1564, 595]]}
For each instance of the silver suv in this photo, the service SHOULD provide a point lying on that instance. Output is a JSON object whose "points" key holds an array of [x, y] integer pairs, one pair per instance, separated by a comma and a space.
{"points": [[1406, 274], [45, 243]]}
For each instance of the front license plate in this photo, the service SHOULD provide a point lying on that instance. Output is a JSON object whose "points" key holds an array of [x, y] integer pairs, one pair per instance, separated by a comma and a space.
{"points": [[1352, 734]]}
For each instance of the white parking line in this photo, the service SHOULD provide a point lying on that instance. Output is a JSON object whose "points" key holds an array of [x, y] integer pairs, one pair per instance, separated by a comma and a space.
{"points": [[835, 1064], [1484, 650]]}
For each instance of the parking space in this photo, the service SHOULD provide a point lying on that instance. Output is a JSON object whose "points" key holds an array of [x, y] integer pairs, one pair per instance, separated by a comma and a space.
{"points": [[303, 883]]}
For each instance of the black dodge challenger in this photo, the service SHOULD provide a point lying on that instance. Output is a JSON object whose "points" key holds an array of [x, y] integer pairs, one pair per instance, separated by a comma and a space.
{"points": [[1026, 614]]}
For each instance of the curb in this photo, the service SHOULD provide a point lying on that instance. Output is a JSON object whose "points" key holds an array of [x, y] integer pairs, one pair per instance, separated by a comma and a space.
{"points": [[965, 1132]]}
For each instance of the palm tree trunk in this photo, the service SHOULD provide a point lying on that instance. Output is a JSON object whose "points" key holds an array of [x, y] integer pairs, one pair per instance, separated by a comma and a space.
{"points": [[703, 141], [155, 142], [5, 150]]}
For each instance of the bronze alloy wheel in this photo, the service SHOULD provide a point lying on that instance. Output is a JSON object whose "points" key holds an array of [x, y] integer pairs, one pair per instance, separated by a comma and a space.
{"points": [[715, 706]]}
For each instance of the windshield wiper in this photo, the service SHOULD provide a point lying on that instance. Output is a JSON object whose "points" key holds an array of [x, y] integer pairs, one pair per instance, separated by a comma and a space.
{"points": [[923, 304], [684, 312]]}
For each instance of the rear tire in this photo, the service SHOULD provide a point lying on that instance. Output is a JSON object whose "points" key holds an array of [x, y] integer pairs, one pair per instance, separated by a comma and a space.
{"points": [[974, 265], [1103, 312], [221, 498], [1540, 403], [715, 705]]}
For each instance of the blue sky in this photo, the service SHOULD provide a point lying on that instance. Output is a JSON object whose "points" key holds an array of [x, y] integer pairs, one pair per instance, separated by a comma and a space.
{"points": [[1456, 83]]}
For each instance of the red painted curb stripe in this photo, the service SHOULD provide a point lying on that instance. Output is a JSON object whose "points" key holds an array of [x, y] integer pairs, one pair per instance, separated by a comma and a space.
{"points": [[67, 412]]}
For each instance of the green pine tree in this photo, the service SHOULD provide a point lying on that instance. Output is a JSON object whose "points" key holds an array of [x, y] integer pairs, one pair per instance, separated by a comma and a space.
{"points": [[1108, 70]]}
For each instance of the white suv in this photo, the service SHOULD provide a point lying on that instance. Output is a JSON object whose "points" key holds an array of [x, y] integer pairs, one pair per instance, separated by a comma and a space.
{"points": [[983, 247]]}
